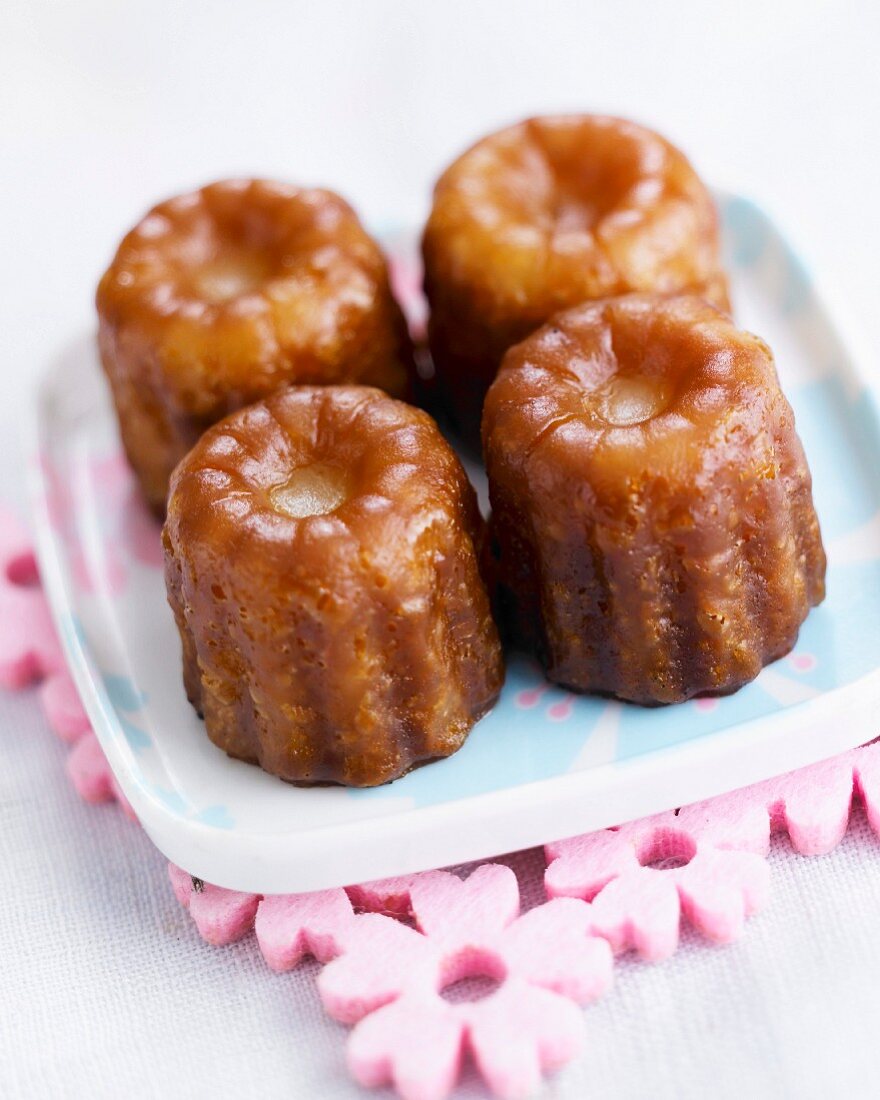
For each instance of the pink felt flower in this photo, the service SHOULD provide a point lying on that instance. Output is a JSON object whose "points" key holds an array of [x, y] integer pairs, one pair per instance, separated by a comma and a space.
{"points": [[813, 804], [91, 775], [866, 776], [390, 977], [643, 876], [63, 707], [30, 651], [288, 927], [221, 916], [291, 926], [29, 648], [387, 895], [17, 562], [705, 861]]}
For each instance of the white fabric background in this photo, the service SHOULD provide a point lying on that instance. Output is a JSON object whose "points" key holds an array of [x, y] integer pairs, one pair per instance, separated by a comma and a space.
{"points": [[104, 987]]}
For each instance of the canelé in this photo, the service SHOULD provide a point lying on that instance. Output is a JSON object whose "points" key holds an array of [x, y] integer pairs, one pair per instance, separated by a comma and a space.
{"points": [[653, 533], [218, 298], [547, 214], [321, 553]]}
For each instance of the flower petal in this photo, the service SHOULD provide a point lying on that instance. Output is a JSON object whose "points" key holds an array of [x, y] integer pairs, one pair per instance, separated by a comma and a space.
{"points": [[520, 1033], [386, 895], [29, 648], [738, 820], [582, 865], [89, 771], [289, 926], [719, 889], [414, 1044], [640, 910], [63, 707], [383, 959], [551, 946], [867, 770], [221, 916], [18, 564], [813, 804], [458, 914]]}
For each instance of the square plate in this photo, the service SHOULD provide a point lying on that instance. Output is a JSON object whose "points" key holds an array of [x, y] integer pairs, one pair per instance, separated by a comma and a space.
{"points": [[544, 764]]}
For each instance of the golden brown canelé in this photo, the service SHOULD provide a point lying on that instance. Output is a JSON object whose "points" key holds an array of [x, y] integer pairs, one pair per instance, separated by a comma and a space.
{"points": [[321, 553], [220, 297], [547, 214], [653, 531]]}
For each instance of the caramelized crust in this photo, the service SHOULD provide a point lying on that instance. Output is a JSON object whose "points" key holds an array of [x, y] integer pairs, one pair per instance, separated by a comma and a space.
{"points": [[653, 530], [547, 214], [220, 297], [321, 554]]}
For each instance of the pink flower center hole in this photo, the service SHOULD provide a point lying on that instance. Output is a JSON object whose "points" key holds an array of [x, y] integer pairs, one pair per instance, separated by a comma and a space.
{"points": [[666, 850], [471, 975]]}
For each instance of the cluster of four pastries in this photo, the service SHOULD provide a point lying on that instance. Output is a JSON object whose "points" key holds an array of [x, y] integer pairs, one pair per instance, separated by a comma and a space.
{"points": [[336, 591]]}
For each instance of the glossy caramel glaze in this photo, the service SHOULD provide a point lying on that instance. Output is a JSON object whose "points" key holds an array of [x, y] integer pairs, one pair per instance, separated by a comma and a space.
{"points": [[653, 532], [547, 214], [321, 553], [218, 298]]}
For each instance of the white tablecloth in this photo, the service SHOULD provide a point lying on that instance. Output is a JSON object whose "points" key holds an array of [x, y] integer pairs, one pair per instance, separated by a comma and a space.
{"points": [[105, 988]]}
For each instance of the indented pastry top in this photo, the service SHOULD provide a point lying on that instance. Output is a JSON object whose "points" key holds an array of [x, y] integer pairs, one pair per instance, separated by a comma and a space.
{"points": [[209, 249], [242, 278], [543, 216], [309, 464], [218, 298], [644, 382], [606, 205]]}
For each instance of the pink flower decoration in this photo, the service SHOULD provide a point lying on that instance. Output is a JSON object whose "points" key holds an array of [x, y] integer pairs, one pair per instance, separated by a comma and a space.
{"points": [[388, 895], [221, 916], [91, 775], [17, 562], [866, 781], [29, 649], [63, 707], [705, 861], [515, 1036], [291, 926], [617, 888], [644, 875], [390, 977], [813, 804]]}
